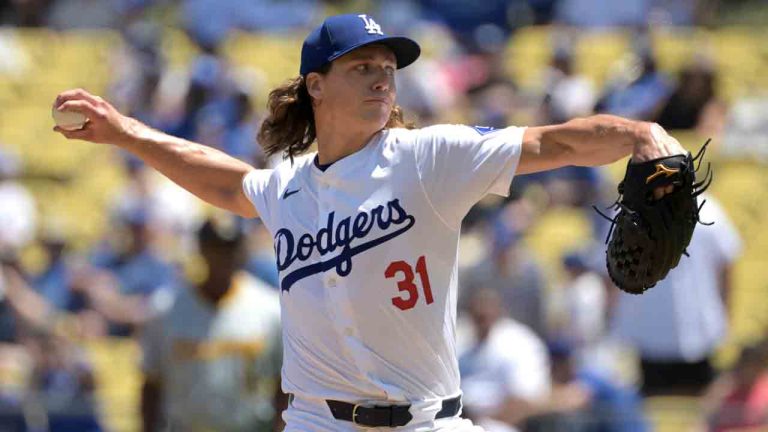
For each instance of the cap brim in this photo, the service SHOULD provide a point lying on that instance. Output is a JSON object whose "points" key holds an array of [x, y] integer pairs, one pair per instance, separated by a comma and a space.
{"points": [[406, 50]]}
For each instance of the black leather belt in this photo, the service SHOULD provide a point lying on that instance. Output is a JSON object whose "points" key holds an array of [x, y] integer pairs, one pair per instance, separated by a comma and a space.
{"points": [[386, 415]]}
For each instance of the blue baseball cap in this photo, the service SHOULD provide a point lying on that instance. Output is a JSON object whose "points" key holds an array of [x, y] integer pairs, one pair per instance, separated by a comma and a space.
{"points": [[340, 34]]}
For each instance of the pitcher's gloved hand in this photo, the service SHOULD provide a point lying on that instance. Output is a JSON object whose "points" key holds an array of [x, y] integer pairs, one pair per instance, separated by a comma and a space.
{"points": [[650, 233]]}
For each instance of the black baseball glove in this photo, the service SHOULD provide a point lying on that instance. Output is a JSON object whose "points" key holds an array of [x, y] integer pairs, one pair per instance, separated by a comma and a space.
{"points": [[649, 235]]}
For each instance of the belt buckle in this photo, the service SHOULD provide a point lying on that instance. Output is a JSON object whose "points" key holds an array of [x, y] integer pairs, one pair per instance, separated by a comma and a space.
{"points": [[354, 413]]}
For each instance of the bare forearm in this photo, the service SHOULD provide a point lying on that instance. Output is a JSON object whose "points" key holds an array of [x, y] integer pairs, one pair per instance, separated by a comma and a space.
{"points": [[590, 141], [599, 139], [607, 138], [210, 174]]}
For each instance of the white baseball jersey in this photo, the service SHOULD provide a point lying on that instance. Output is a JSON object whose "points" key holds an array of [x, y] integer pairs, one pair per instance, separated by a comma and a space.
{"points": [[367, 252], [210, 358]]}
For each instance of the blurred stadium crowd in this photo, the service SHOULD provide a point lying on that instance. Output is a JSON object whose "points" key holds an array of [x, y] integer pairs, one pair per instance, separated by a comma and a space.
{"points": [[125, 302]]}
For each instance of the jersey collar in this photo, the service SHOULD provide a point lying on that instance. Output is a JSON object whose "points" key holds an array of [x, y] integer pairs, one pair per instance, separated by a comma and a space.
{"points": [[349, 161]]}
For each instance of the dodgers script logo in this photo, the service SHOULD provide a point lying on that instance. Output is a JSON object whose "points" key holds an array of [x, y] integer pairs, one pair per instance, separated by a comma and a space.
{"points": [[350, 235]]}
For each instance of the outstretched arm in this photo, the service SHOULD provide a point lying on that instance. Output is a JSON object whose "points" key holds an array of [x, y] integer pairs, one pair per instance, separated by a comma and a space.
{"points": [[211, 175], [592, 141]]}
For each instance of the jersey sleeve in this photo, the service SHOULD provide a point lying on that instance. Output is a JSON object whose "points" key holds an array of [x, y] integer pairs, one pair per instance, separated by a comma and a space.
{"points": [[458, 165], [256, 185]]}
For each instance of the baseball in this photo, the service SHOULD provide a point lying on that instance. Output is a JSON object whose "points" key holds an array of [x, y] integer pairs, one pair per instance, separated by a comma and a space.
{"points": [[68, 120]]}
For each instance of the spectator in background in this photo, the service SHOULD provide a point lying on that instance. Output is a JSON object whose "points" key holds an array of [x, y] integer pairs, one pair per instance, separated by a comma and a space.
{"points": [[55, 280], [478, 26], [33, 312], [568, 95], [206, 83], [18, 215], [59, 286], [138, 68], [491, 93], [510, 270], [738, 399], [209, 358], [214, 20], [15, 362], [677, 326], [640, 93], [582, 305], [23, 308], [217, 110], [504, 366], [62, 383], [693, 103], [605, 405], [230, 125], [81, 300], [173, 213], [142, 276], [239, 139]]}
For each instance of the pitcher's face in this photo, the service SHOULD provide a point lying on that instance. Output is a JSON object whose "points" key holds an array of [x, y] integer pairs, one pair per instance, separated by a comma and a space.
{"points": [[359, 87]]}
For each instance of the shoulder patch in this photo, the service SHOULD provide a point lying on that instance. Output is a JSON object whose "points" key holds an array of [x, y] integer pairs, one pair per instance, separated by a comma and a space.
{"points": [[483, 130]]}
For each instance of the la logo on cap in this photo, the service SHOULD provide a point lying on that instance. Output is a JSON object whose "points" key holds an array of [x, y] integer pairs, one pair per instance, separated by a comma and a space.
{"points": [[340, 34], [371, 25]]}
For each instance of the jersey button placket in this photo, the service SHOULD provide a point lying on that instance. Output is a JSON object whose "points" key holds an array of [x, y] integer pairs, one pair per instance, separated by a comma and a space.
{"points": [[323, 202], [335, 292]]}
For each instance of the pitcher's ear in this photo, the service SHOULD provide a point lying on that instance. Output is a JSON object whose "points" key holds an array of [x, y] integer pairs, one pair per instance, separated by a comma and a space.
{"points": [[315, 85]]}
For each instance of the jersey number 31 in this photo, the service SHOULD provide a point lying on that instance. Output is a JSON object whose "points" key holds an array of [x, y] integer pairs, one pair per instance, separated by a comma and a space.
{"points": [[409, 291]]}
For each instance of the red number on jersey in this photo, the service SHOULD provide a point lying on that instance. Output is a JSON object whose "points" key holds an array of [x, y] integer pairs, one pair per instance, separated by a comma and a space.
{"points": [[406, 284], [421, 269], [409, 291]]}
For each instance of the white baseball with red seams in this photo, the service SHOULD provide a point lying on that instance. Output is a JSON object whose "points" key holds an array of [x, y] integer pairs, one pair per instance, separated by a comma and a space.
{"points": [[367, 252]]}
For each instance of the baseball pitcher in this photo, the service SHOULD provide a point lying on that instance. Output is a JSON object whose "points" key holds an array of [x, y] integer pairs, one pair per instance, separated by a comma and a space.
{"points": [[366, 228]]}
